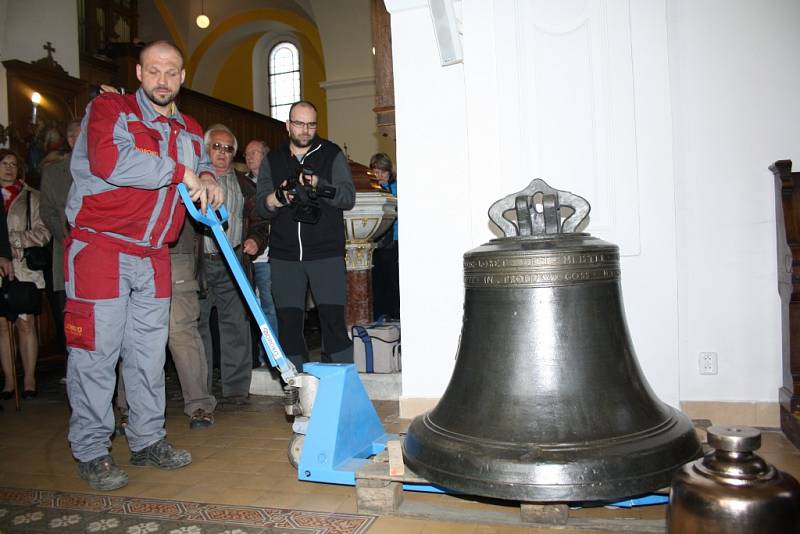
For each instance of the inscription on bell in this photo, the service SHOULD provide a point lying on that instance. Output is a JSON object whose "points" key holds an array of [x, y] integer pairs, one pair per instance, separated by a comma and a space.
{"points": [[582, 259], [542, 278], [537, 261]]}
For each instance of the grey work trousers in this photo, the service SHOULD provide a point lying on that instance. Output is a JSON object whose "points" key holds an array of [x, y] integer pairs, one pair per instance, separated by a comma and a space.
{"points": [[185, 343], [112, 306], [235, 359]]}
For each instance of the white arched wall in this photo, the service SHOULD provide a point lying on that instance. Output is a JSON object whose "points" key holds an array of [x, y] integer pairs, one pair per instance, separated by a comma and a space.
{"points": [[735, 81], [695, 135], [261, 99], [558, 92]]}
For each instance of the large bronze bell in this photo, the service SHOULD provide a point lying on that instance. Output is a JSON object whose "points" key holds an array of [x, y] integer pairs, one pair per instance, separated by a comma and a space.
{"points": [[547, 402]]}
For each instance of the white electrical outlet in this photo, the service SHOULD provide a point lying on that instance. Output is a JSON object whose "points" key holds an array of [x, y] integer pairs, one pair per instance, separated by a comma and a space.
{"points": [[708, 363]]}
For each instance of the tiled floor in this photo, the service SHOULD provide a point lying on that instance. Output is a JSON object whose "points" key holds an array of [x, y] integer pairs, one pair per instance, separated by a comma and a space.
{"points": [[242, 460]]}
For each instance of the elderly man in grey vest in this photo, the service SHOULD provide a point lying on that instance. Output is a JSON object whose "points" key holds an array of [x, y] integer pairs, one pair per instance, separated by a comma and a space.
{"points": [[248, 235]]}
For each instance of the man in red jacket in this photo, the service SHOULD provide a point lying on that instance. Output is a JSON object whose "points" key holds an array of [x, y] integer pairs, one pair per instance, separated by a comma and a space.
{"points": [[123, 210]]}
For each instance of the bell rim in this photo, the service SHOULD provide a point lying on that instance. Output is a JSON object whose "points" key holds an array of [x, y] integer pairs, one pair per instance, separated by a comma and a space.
{"points": [[653, 469], [607, 490]]}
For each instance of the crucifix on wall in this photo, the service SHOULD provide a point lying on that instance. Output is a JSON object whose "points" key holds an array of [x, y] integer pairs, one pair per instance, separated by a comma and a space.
{"points": [[50, 50], [49, 61]]}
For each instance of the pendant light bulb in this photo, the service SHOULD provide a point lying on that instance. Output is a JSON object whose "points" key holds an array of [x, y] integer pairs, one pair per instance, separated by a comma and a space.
{"points": [[202, 20]]}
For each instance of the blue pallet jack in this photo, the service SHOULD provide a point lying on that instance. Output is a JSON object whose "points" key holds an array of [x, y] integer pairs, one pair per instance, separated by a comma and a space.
{"points": [[345, 431]]}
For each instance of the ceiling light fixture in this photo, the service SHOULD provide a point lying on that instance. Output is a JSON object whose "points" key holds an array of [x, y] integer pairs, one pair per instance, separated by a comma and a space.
{"points": [[202, 19]]}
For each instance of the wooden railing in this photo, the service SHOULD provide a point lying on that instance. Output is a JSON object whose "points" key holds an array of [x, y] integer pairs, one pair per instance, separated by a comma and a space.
{"points": [[245, 124]]}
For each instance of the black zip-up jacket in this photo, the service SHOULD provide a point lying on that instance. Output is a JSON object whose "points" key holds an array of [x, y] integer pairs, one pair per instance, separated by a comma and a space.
{"points": [[294, 241]]}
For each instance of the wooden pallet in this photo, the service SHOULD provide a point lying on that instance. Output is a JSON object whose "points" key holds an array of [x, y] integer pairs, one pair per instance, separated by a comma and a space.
{"points": [[379, 490]]}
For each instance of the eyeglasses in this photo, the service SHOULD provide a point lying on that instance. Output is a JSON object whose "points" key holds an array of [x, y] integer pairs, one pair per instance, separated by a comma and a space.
{"points": [[224, 148], [300, 125], [10, 164]]}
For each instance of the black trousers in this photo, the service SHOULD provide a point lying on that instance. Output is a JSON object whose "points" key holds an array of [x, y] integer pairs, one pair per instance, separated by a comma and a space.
{"points": [[386, 281], [328, 282]]}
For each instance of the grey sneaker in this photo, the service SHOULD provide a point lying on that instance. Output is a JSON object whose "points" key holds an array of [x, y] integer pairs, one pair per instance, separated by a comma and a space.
{"points": [[103, 474], [161, 454]]}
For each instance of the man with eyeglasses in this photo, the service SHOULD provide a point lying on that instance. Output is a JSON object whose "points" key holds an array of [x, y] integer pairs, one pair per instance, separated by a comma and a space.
{"points": [[246, 233], [305, 253]]}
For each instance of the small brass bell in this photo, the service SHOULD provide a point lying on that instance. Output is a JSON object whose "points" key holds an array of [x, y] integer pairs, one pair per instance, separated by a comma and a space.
{"points": [[732, 490]]}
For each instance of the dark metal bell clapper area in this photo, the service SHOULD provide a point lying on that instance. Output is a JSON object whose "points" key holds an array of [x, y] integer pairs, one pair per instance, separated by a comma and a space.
{"points": [[547, 402]]}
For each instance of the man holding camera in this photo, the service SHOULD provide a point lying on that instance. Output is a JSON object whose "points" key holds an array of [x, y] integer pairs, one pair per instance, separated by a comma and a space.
{"points": [[304, 186]]}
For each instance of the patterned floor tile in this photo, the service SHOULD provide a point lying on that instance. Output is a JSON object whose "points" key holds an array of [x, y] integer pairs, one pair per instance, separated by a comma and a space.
{"points": [[28, 511]]}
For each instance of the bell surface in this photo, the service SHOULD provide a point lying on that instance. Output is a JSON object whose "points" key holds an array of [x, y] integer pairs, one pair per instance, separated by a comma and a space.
{"points": [[547, 402]]}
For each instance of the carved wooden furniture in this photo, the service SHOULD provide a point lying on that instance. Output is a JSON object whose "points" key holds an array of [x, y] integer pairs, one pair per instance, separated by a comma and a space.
{"points": [[63, 99], [789, 183]]}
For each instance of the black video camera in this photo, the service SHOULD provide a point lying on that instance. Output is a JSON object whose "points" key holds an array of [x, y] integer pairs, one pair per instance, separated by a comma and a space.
{"points": [[305, 197]]}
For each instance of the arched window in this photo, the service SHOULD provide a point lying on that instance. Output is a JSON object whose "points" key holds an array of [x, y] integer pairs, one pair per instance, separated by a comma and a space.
{"points": [[284, 79]]}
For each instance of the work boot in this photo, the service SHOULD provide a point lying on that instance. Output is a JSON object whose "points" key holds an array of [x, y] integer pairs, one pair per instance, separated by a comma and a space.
{"points": [[161, 454], [103, 474]]}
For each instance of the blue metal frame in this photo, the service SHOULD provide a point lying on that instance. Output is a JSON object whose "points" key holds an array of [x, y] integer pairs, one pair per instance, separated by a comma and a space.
{"points": [[344, 430]]}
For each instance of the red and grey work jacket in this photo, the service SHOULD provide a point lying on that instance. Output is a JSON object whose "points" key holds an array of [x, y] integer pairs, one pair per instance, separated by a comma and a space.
{"points": [[126, 165]]}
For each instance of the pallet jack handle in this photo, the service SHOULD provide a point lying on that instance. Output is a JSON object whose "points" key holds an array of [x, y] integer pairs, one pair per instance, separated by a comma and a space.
{"points": [[345, 430], [275, 353]]}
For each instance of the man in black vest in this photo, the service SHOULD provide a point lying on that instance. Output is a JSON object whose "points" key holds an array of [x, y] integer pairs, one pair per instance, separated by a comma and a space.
{"points": [[304, 186]]}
